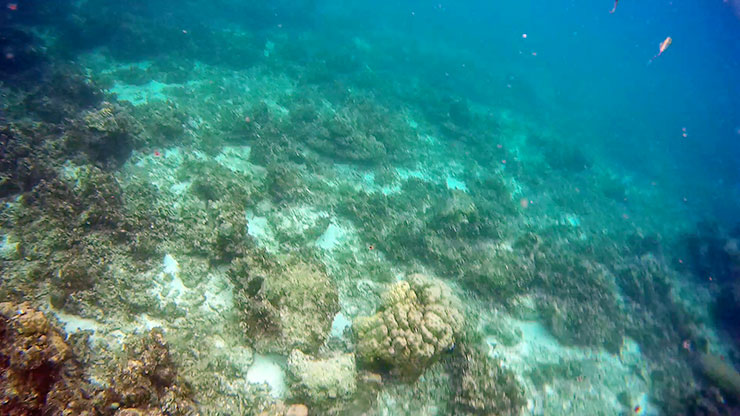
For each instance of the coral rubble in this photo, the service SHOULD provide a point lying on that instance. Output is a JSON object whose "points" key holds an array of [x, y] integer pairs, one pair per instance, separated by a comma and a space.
{"points": [[482, 386], [324, 381], [290, 308]]}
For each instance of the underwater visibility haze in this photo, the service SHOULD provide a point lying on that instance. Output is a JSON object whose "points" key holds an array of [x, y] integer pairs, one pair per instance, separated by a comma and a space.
{"points": [[316, 207]]}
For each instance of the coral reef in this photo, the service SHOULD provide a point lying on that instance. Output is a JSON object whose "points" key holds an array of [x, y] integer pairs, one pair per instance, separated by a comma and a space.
{"points": [[219, 233], [428, 395], [397, 166], [654, 318], [482, 386], [577, 299], [710, 402], [322, 382], [284, 183], [340, 138], [211, 223], [23, 161], [67, 228], [147, 382], [286, 308], [362, 131], [62, 92], [442, 227], [270, 148], [38, 374], [52, 121], [163, 123], [107, 133], [417, 321]]}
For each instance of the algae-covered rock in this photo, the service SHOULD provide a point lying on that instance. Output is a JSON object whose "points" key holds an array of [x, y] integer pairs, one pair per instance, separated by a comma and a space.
{"points": [[418, 320], [107, 133], [482, 386], [32, 355], [322, 381], [38, 373], [41, 374], [287, 309], [146, 381]]}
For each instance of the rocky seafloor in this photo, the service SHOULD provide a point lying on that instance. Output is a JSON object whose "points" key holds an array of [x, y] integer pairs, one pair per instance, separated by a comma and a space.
{"points": [[228, 220]]}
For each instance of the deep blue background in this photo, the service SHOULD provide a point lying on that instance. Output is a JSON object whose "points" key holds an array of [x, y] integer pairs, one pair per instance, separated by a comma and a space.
{"points": [[590, 80]]}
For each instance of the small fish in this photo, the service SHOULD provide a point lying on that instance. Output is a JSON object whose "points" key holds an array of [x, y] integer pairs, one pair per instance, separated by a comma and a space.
{"points": [[663, 46], [638, 409], [614, 9]]}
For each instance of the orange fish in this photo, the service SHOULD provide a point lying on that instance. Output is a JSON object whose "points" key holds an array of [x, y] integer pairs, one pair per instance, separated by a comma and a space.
{"points": [[663, 46]]}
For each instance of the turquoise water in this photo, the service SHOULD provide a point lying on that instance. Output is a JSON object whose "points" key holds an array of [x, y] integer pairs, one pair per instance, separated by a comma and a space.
{"points": [[310, 207]]}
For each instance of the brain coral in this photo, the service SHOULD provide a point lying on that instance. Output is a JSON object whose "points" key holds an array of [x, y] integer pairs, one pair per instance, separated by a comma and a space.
{"points": [[417, 321]]}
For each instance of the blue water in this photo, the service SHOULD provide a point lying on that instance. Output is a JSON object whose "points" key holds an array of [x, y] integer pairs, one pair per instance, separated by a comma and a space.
{"points": [[590, 80], [544, 203]]}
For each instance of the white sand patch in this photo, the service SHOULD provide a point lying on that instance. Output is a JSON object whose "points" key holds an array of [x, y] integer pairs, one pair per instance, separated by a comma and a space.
{"points": [[339, 324], [150, 323], [212, 297], [291, 223], [368, 178], [298, 220], [9, 248], [275, 109], [236, 158], [74, 323], [257, 228], [140, 94], [170, 265], [169, 287], [332, 237], [430, 140], [572, 220], [601, 377], [268, 369], [180, 187], [172, 155], [453, 183], [218, 295], [406, 174]]}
